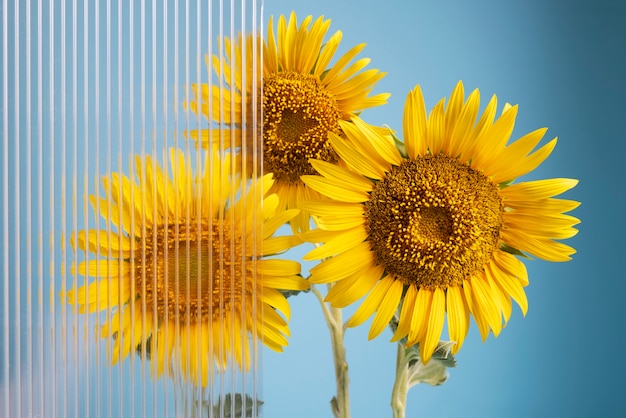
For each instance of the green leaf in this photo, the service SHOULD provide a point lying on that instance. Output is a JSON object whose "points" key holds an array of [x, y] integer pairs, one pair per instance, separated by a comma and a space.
{"points": [[443, 353], [434, 373], [289, 293], [225, 406]]}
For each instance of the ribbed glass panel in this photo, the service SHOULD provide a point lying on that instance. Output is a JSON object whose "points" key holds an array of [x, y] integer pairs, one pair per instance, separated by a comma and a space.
{"points": [[128, 254]]}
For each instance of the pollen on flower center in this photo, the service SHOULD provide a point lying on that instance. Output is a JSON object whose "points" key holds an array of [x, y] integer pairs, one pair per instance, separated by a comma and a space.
{"points": [[434, 221], [298, 115], [189, 270]]}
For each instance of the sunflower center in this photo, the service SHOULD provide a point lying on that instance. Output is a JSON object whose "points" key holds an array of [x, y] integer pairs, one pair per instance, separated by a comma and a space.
{"points": [[298, 115], [190, 271], [434, 221]]}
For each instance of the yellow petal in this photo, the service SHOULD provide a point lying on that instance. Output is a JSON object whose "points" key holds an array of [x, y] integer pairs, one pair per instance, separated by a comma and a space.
{"points": [[326, 54], [518, 166], [317, 236], [435, 325], [554, 226], [100, 295], [276, 299], [485, 307], [269, 51], [371, 303], [276, 245], [271, 225], [100, 242], [501, 298], [312, 42], [462, 134], [481, 321], [483, 124], [340, 243], [458, 316], [355, 160], [276, 267], [510, 285], [330, 189], [340, 64], [404, 322], [343, 265], [349, 81], [491, 144], [547, 206], [339, 222], [285, 282], [414, 124], [419, 319], [103, 268], [538, 189], [342, 177], [436, 128], [380, 145], [119, 218], [330, 208], [388, 306], [454, 108], [353, 288], [512, 266], [540, 247]]}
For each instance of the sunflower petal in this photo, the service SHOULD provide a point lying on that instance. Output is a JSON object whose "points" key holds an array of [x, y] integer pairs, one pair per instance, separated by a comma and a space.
{"points": [[404, 321], [330, 189], [343, 265], [458, 316], [340, 243], [538, 189], [435, 325], [353, 288], [371, 303], [343, 177], [414, 124], [419, 319], [388, 306]]}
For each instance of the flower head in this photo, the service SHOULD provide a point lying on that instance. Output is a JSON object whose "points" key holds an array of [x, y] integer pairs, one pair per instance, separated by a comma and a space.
{"points": [[184, 275], [304, 97], [435, 229]]}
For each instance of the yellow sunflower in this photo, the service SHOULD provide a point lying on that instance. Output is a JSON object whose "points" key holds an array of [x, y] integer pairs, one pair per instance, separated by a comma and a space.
{"points": [[183, 276], [304, 97], [436, 228]]}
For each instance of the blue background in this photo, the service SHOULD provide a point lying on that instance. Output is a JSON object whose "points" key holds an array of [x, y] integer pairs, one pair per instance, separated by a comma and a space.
{"points": [[564, 63]]}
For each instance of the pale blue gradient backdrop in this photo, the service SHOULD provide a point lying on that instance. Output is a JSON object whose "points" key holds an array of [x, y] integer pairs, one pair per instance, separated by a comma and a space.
{"points": [[564, 63]]}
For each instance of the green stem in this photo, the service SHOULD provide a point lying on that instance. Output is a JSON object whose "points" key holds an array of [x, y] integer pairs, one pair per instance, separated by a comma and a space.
{"points": [[401, 385], [340, 404]]}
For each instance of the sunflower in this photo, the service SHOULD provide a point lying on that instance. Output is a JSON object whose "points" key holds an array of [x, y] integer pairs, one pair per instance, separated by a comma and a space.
{"points": [[436, 228], [303, 99], [183, 276]]}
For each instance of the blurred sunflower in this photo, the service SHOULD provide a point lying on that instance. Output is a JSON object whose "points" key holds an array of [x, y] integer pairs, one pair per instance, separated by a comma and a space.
{"points": [[304, 97], [435, 227], [184, 275]]}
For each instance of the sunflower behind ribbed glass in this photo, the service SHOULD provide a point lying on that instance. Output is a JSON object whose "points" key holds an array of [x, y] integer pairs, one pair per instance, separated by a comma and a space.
{"points": [[436, 227], [183, 275], [304, 98]]}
